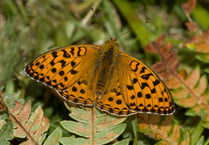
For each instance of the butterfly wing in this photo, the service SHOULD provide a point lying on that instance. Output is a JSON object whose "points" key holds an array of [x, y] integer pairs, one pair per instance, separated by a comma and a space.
{"points": [[142, 88], [134, 88], [82, 91], [112, 100], [66, 68]]}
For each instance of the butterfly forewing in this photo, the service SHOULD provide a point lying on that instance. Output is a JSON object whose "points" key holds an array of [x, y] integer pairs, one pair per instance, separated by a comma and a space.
{"points": [[143, 89], [66, 68]]}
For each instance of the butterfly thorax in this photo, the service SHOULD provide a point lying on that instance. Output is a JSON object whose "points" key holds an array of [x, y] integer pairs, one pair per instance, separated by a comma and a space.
{"points": [[109, 53]]}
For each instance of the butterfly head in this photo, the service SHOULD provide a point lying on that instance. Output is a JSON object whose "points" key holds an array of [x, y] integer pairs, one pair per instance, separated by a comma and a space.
{"points": [[113, 41], [111, 46]]}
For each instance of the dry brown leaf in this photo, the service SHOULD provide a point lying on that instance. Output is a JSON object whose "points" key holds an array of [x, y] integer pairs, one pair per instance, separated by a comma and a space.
{"points": [[167, 67], [189, 6], [161, 128], [158, 43], [22, 116], [28, 125], [2, 107], [193, 78], [199, 42], [187, 102], [192, 26], [201, 88], [175, 82], [180, 93], [43, 127]]}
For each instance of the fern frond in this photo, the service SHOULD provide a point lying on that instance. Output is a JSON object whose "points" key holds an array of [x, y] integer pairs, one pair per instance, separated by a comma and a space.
{"points": [[92, 127]]}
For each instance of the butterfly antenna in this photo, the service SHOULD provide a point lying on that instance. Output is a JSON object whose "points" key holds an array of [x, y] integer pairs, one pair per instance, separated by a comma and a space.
{"points": [[136, 27]]}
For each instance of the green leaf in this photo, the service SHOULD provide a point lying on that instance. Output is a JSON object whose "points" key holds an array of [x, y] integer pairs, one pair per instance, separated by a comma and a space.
{"points": [[131, 16], [122, 142], [101, 127], [74, 141], [54, 137], [6, 133]]}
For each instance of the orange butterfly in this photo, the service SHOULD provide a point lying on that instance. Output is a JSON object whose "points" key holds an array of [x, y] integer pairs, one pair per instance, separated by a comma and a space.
{"points": [[113, 81]]}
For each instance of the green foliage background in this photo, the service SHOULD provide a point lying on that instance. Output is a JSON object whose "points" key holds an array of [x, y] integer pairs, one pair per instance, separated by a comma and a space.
{"points": [[31, 27]]}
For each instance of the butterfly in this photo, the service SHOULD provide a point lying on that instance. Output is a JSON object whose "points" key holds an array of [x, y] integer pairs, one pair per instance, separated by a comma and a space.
{"points": [[104, 77]]}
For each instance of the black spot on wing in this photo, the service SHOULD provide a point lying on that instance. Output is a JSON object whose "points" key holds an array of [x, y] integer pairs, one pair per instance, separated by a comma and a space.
{"points": [[63, 62], [41, 66], [135, 80], [61, 73], [37, 63], [73, 63], [146, 76], [129, 87], [142, 70], [54, 54], [52, 63], [66, 54], [74, 71], [144, 85], [153, 90], [82, 51], [156, 82], [53, 70], [134, 65]]}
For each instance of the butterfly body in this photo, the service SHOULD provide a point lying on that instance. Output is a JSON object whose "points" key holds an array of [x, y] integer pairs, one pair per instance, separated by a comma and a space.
{"points": [[109, 58], [101, 76]]}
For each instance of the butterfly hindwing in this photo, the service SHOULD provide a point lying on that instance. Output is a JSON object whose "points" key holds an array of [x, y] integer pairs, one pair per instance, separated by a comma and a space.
{"points": [[82, 91], [112, 100]]}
